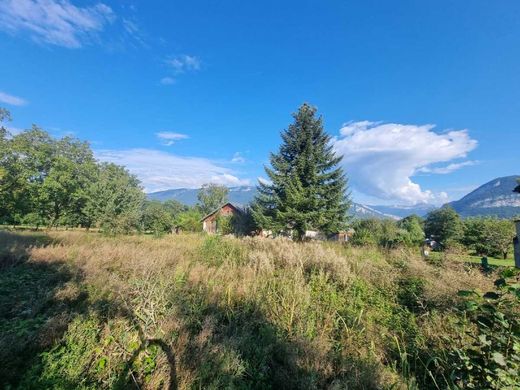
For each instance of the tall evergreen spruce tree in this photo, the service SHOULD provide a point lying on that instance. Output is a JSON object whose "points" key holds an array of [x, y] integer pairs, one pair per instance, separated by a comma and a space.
{"points": [[308, 191]]}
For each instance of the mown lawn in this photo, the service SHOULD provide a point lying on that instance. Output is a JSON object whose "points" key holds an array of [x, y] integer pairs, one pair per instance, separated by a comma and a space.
{"points": [[470, 258]]}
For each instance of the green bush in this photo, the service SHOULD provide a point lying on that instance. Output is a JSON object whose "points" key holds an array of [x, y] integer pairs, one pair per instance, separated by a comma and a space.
{"points": [[493, 358]]}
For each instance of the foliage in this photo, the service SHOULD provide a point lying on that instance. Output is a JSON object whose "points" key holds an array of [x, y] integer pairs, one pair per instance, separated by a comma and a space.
{"points": [[189, 221], [443, 225], [517, 188], [48, 181], [114, 199], [387, 233], [307, 189], [489, 236], [239, 224], [211, 197], [492, 360], [413, 225], [156, 218], [225, 224]]}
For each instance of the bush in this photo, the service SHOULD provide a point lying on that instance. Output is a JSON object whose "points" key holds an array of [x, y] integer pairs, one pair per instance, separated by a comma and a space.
{"points": [[493, 358]]}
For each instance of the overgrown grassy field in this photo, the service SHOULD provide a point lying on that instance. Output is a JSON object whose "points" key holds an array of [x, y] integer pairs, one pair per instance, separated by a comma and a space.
{"points": [[82, 310]]}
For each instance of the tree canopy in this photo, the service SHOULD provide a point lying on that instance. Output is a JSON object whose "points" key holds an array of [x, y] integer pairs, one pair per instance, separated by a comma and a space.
{"points": [[48, 181], [444, 225], [307, 190], [211, 196]]}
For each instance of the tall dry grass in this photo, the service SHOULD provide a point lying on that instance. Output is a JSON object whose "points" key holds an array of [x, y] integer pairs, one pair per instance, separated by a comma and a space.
{"points": [[192, 311]]}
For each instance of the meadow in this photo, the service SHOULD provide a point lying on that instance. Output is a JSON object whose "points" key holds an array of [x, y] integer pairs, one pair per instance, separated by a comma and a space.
{"points": [[189, 311]]}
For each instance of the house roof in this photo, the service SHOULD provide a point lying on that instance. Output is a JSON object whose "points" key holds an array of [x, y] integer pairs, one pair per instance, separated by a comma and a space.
{"points": [[220, 208]]}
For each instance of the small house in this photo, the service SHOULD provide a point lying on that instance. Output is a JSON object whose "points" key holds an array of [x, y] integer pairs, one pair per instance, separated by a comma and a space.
{"points": [[210, 221], [343, 236]]}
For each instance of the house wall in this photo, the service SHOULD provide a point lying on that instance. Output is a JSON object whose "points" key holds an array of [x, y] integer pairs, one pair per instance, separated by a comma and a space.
{"points": [[209, 225]]}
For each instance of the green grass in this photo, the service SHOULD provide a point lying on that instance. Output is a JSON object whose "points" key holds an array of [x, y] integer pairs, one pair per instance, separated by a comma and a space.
{"points": [[473, 259], [191, 311]]}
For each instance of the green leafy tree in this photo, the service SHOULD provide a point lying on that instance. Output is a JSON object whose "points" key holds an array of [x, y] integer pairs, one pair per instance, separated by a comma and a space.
{"points": [[489, 236], [174, 208], [211, 196], [517, 188], [444, 225], [4, 154], [114, 200], [189, 221], [473, 234], [62, 197], [307, 189], [367, 232], [157, 218], [26, 162], [499, 237], [413, 225]]}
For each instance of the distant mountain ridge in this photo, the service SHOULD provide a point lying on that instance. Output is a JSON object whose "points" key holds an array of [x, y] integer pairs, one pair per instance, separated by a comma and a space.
{"points": [[245, 194], [495, 198], [240, 195]]}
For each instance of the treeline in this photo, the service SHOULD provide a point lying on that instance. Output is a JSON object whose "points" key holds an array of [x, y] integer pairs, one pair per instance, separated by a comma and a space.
{"points": [[485, 236], [49, 182]]}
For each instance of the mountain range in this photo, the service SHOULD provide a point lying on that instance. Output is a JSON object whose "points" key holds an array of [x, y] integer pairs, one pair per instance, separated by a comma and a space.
{"points": [[493, 198], [245, 194]]}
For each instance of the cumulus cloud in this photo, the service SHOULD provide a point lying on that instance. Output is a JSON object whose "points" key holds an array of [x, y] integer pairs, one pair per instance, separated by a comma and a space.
{"points": [[168, 138], [11, 99], [184, 63], [448, 168], [56, 22], [382, 158], [159, 170]]}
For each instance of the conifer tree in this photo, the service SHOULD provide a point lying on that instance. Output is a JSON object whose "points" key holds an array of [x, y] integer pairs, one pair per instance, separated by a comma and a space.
{"points": [[307, 189]]}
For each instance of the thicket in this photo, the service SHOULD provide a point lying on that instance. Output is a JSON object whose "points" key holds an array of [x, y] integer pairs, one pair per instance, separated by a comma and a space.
{"points": [[483, 236]]}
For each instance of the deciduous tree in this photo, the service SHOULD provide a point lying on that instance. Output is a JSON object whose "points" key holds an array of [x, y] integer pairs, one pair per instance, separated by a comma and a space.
{"points": [[114, 199], [212, 196], [444, 225]]}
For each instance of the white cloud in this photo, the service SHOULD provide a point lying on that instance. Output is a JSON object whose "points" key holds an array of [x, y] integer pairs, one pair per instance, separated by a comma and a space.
{"points": [[381, 158], [159, 170], [448, 168], [184, 63], [168, 138], [238, 158], [167, 81], [56, 22], [12, 100]]}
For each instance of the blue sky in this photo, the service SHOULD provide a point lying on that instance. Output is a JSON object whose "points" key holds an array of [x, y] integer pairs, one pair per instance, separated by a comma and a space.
{"points": [[423, 98]]}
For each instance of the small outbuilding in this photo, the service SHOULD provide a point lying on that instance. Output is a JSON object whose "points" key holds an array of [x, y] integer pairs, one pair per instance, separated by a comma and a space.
{"points": [[210, 221], [343, 236]]}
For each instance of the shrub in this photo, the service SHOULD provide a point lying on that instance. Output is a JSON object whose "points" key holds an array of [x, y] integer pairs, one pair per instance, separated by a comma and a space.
{"points": [[493, 358]]}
